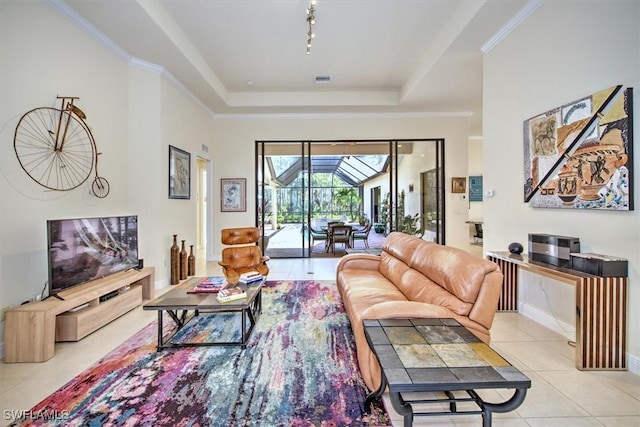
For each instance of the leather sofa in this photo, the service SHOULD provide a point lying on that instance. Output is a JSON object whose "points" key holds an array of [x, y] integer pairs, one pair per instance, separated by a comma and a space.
{"points": [[414, 278]]}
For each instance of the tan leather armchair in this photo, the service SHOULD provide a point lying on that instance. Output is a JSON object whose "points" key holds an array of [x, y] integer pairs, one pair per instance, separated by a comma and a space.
{"points": [[242, 255]]}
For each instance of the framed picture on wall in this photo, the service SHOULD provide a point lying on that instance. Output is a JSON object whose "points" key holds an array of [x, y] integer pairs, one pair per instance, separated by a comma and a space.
{"points": [[179, 173], [459, 184], [475, 188], [233, 195]]}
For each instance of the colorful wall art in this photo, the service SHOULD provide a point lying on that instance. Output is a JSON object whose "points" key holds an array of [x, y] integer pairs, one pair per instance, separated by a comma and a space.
{"points": [[579, 155], [475, 188]]}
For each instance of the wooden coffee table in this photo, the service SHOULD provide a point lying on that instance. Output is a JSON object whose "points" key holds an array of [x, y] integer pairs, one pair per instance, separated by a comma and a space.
{"points": [[442, 356], [182, 307]]}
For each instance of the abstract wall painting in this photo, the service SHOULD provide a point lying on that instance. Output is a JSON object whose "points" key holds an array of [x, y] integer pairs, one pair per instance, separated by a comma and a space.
{"points": [[579, 155], [475, 188]]}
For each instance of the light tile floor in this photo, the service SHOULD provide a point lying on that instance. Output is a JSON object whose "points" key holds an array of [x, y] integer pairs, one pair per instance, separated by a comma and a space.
{"points": [[560, 394]]}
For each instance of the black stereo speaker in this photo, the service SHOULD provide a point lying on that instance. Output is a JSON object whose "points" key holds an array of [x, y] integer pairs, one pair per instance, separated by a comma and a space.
{"points": [[599, 265], [140, 264]]}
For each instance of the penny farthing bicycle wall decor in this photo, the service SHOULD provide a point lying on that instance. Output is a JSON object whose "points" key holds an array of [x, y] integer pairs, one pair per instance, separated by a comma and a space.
{"points": [[56, 148]]}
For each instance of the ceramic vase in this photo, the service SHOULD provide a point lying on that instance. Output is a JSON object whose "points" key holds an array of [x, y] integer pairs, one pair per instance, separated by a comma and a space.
{"points": [[191, 263], [175, 261], [183, 262]]}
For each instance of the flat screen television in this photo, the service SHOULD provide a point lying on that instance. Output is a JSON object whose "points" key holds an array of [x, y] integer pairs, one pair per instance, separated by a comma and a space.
{"points": [[84, 249]]}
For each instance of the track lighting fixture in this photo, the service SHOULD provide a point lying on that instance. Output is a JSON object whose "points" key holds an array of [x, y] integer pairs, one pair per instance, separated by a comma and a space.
{"points": [[311, 20]]}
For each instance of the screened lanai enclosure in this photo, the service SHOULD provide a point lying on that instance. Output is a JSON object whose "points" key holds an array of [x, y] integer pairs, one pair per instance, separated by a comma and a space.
{"points": [[303, 187]]}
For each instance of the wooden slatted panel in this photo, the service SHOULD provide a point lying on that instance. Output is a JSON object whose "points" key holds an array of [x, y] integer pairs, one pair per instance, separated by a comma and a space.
{"points": [[602, 317], [509, 294]]}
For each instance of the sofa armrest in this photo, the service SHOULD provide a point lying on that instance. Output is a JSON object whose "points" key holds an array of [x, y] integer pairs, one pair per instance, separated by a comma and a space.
{"points": [[405, 309], [361, 261]]}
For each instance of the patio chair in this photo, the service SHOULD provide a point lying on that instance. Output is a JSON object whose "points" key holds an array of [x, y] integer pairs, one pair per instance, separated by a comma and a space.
{"points": [[320, 235], [340, 234], [362, 235], [242, 255], [478, 236], [328, 228]]}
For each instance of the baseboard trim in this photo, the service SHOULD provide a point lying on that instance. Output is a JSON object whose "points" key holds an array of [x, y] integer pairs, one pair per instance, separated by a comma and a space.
{"points": [[548, 320], [568, 331], [633, 363]]}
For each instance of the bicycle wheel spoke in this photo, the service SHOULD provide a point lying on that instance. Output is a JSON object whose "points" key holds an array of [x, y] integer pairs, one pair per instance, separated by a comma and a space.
{"points": [[72, 167], [45, 167], [36, 133]]}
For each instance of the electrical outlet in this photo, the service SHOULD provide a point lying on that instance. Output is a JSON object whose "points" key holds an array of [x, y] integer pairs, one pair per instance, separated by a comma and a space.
{"points": [[3, 313]]}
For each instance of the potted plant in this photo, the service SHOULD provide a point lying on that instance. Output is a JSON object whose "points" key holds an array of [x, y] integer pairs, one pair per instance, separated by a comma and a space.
{"points": [[363, 219], [411, 224], [381, 227]]}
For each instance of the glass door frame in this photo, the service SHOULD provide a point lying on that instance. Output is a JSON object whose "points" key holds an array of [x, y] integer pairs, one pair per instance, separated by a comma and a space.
{"points": [[306, 185]]}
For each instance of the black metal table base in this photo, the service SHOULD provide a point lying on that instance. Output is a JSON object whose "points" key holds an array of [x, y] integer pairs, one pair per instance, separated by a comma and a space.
{"points": [[181, 318], [486, 409]]}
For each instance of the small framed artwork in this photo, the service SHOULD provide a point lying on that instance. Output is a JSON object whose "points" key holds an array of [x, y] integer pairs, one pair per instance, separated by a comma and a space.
{"points": [[459, 184], [179, 173], [475, 188], [233, 195]]}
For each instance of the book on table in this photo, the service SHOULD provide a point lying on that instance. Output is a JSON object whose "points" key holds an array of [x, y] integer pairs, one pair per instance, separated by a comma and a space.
{"points": [[231, 294], [213, 280], [251, 276], [213, 284]]}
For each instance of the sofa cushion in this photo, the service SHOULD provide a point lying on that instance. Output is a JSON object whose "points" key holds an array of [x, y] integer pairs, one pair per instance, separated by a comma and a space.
{"points": [[453, 269], [391, 267], [402, 246], [361, 288], [418, 287]]}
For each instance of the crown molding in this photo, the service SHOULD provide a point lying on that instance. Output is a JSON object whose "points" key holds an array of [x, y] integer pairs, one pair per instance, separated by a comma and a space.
{"points": [[147, 66], [513, 23], [325, 116], [78, 20]]}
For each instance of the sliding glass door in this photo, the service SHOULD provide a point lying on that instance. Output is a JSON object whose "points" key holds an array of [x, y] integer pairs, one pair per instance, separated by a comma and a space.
{"points": [[282, 183], [304, 185]]}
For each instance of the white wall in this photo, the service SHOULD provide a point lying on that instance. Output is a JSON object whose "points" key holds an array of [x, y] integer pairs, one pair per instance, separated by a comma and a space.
{"points": [[134, 115], [187, 126], [235, 138], [476, 168], [42, 57], [161, 115], [564, 51]]}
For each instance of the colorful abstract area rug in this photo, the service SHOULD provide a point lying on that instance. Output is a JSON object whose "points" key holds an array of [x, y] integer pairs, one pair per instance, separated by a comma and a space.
{"points": [[299, 369]]}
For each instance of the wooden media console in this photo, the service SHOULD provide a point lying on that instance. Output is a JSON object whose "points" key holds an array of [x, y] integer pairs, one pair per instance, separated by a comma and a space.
{"points": [[31, 330]]}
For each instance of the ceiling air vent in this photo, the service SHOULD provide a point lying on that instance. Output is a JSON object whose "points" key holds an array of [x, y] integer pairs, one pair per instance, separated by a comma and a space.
{"points": [[320, 80]]}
